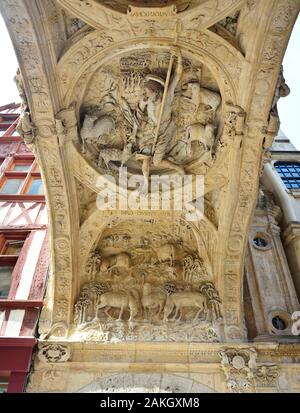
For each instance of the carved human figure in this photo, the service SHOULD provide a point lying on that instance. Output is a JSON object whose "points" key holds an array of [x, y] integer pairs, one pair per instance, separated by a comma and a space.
{"points": [[152, 121], [27, 130], [136, 118], [156, 128], [21, 89]]}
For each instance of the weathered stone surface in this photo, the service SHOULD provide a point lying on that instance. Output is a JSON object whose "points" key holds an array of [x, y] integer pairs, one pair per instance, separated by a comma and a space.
{"points": [[183, 87]]}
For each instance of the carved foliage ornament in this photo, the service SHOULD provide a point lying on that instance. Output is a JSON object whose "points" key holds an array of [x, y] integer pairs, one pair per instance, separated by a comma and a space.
{"points": [[238, 366], [242, 373], [266, 375]]}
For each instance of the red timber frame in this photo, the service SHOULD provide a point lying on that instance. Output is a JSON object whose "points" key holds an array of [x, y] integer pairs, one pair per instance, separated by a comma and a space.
{"points": [[16, 352]]}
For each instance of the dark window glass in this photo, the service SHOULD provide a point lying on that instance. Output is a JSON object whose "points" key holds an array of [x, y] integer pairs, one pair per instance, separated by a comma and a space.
{"points": [[278, 323], [289, 173], [5, 281], [260, 242]]}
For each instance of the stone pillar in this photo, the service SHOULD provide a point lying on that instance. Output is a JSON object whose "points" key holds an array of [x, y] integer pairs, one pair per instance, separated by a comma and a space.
{"points": [[291, 242], [269, 280], [291, 212]]}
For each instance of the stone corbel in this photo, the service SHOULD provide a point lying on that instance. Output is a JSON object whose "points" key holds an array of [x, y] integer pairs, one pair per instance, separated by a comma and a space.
{"points": [[27, 129], [66, 126], [270, 131]]}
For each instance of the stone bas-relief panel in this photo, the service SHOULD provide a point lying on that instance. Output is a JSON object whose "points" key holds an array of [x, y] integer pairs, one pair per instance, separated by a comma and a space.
{"points": [[153, 111], [147, 283], [145, 383]]}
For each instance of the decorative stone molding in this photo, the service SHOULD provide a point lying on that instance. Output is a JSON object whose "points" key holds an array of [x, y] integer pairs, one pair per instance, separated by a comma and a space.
{"points": [[291, 233], [27, 130]]}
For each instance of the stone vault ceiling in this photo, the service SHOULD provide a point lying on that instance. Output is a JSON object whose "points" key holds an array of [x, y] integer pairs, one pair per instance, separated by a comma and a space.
{"points": [[93, 75]]}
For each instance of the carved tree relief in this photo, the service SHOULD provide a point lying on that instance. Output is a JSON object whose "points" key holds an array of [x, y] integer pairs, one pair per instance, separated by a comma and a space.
{"points": [[148, 283]]}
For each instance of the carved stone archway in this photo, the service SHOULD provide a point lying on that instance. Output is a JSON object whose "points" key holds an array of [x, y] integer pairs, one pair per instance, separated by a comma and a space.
{"points": [[64, 47], [145, 383]]}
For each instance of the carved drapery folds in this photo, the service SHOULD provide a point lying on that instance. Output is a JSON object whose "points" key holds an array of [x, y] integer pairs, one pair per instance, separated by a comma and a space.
{"points": [[159, 92]]}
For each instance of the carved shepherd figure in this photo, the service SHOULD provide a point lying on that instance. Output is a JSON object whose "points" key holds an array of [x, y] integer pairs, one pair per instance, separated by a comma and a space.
{"points": [[181, 300], [120, 300]]}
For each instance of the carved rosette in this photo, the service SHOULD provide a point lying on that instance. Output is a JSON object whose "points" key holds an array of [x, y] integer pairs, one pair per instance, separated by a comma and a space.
{"points": [[54, 353]]}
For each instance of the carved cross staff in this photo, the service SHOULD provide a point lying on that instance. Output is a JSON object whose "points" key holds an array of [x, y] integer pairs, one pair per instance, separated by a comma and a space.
{"points": [[163, 102]]}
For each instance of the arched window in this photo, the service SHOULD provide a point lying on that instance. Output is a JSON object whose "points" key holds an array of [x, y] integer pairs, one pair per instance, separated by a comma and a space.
{"points": [[289, 173]]}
